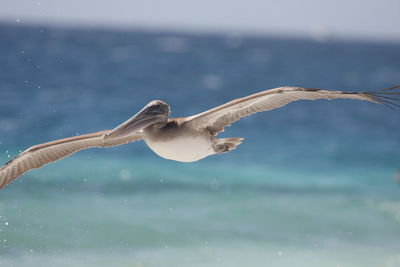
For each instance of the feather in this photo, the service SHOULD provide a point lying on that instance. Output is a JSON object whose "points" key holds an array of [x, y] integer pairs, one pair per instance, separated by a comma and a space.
{"points": [[42, 154]]}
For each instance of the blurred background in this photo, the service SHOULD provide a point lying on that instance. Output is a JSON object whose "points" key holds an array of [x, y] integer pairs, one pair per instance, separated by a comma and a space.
{"points": [[313, 184]]}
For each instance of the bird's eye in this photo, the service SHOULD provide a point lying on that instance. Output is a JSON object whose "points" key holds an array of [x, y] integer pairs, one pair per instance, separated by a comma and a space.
{"points": [[155, 107]]}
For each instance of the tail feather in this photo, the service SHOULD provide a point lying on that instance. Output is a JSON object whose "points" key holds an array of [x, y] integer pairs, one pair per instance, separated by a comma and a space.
{"points": [[223, 145]]}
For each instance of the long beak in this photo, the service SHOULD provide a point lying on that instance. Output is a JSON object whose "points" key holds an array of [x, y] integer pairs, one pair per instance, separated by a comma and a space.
{"points": [[138, 122]]}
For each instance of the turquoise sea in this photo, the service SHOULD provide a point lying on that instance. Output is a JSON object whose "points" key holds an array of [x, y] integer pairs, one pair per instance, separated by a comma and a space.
{"points": [[313, 183]]}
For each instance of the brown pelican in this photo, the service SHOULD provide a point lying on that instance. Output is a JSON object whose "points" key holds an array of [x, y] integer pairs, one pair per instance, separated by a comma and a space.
{"points": [[182, 139]]}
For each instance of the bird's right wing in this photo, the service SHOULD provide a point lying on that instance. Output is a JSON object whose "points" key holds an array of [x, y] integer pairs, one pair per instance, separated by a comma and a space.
{"points": [[39, 155]]}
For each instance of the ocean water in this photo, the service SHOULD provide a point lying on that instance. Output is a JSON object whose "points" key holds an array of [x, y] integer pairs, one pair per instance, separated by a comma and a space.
{"points": [[313, 183]]}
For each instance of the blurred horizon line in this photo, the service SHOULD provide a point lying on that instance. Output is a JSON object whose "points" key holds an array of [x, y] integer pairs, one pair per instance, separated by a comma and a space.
{"points": [[318, 36]]}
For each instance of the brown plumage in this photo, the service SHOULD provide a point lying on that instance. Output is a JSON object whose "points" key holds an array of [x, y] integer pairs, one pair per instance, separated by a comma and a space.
{"points": [[181, 139], [217, 118], [39, 155]]}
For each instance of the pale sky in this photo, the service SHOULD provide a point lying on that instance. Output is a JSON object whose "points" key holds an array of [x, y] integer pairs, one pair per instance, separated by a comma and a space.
{"points": [[366, 19]]}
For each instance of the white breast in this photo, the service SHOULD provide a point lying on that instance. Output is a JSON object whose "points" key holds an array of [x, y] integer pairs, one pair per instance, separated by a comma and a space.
{"points": [[185, 149]]}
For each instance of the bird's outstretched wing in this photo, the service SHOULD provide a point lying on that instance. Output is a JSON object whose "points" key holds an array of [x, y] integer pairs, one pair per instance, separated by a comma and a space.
{"points": [[39, 155], [214, 120]]}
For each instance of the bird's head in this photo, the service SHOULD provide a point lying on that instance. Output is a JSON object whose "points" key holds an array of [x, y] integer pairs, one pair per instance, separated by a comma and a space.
{"points": [[159, 110], [158, 107], [153, 114]]}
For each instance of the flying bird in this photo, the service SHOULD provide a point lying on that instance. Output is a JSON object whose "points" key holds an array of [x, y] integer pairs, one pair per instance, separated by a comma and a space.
{"points": [[185, 139]]}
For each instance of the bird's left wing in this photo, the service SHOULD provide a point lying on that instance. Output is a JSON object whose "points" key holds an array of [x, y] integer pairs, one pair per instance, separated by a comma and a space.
{"points": [[214, 120], [39, 155]]}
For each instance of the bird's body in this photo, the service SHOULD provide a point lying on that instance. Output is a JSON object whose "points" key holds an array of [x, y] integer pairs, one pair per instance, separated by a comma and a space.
{"points": [[178, 142], [181, 139]]}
